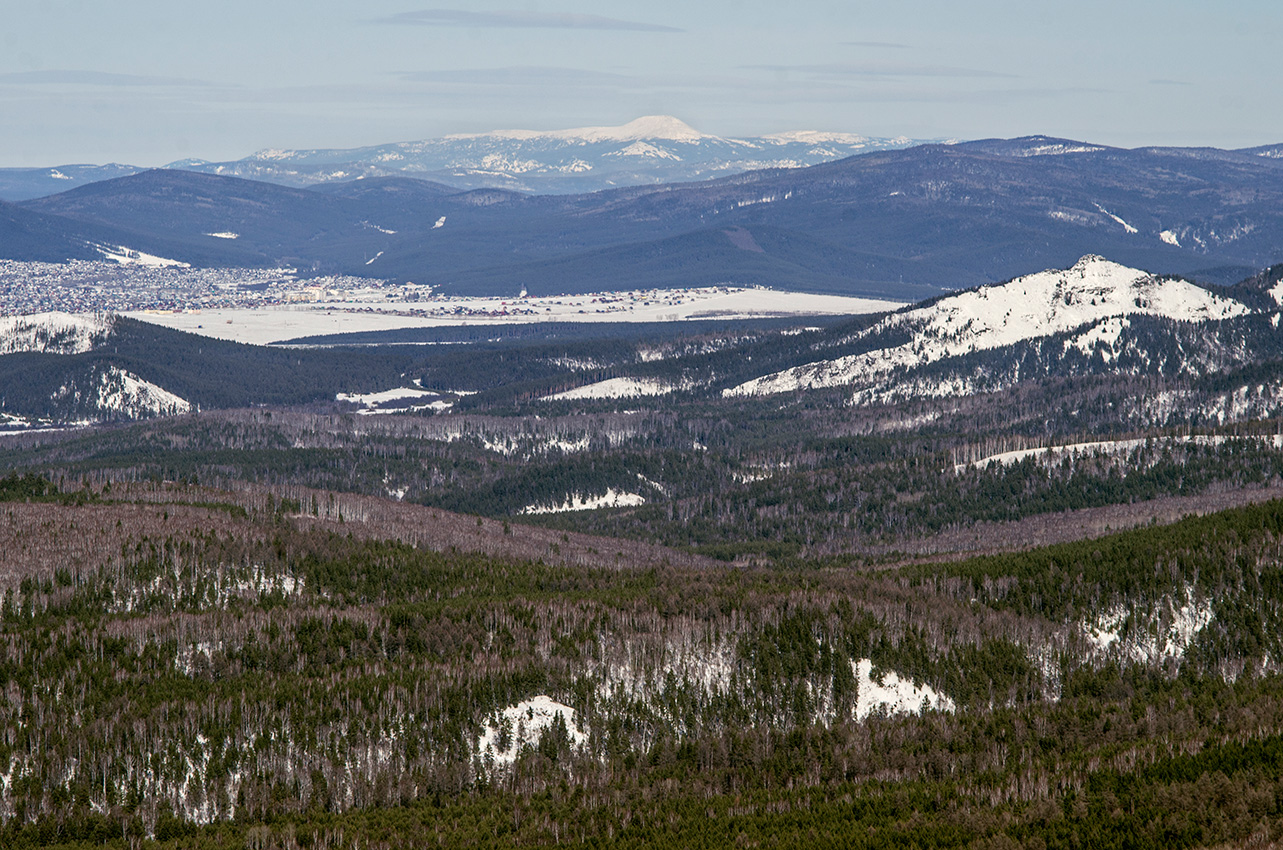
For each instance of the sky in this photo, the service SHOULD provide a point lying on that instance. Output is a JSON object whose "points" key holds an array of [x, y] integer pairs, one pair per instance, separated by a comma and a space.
{"points": [[146, 82]]}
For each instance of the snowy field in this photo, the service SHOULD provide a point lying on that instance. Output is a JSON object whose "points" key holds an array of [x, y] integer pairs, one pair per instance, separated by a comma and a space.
{"points": [[279, 323]]}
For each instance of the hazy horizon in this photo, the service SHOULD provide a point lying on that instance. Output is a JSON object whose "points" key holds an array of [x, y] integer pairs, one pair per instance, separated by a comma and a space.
{"points": [[147, 83]]}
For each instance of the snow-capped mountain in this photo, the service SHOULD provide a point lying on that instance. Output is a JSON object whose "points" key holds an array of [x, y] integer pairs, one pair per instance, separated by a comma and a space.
{"points": [[1083, 318], [651, 149]]}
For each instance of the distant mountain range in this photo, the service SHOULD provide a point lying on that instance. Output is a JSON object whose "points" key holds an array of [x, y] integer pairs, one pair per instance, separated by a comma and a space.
{"points": [[653, 149], [902, 225]]}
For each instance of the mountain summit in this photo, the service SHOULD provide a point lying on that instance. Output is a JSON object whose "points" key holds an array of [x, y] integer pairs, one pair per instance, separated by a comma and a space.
{"points": [[1084, 311], [648, 127]]}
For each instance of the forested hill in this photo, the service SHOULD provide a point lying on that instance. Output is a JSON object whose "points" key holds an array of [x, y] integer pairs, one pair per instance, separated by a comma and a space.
{"points": [[318, 679], [133, 369], [901, 224]]}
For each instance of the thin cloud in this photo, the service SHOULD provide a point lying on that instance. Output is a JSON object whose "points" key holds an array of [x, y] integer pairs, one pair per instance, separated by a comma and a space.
{"points": [[842, 70], [94, 78], [518, 20], [889, 44], [517, 76]]}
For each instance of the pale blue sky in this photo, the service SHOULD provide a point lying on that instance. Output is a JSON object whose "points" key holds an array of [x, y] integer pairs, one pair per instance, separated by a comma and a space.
{"points": [[147, 82]]}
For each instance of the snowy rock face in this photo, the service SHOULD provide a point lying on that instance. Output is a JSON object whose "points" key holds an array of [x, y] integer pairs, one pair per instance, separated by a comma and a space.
{"points": [[523, 724], [117, 394], [123, 393], [1094, 297], [54, 333], [1155, 634]]}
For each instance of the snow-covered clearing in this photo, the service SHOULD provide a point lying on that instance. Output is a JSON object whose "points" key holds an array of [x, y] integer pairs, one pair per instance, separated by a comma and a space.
{"points": [[1127, 227], [615, 388], [522, 725], [577, 502], [130, 257], [890, 694], [399, 400]]}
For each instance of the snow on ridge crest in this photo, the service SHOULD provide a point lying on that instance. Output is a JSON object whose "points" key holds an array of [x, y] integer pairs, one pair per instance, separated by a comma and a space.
{"points": [[54, 332], [664, 127], [998, 315], [817, 137], [124, 392]]}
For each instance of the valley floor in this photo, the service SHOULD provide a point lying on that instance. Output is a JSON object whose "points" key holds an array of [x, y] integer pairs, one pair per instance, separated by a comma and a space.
{"points": [[264, 325]]}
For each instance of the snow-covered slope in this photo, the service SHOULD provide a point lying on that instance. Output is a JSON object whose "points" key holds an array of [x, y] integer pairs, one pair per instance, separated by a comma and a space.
{"points": [[88, 390], [54, 333], [127, 394], [114, 393], [615, 388], [1093, 300]]}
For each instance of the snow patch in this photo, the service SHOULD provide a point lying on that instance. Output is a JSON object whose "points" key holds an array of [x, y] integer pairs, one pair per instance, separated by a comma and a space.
{"points": [[1170, 238], [1054, 454], [1102, 338], [1127, 227], [816, 137], [1161, 633], [439, 223], [130, 257], [615, 388], [576, 502], [224, 234], [645, 149], [123, 392], [1276, 292], [522, 725], [663, 127], [889, 694], [1058, 150]]}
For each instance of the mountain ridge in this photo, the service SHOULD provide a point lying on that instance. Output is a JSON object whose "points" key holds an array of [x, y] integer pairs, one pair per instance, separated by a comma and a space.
{"points": [[648, 150]]}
